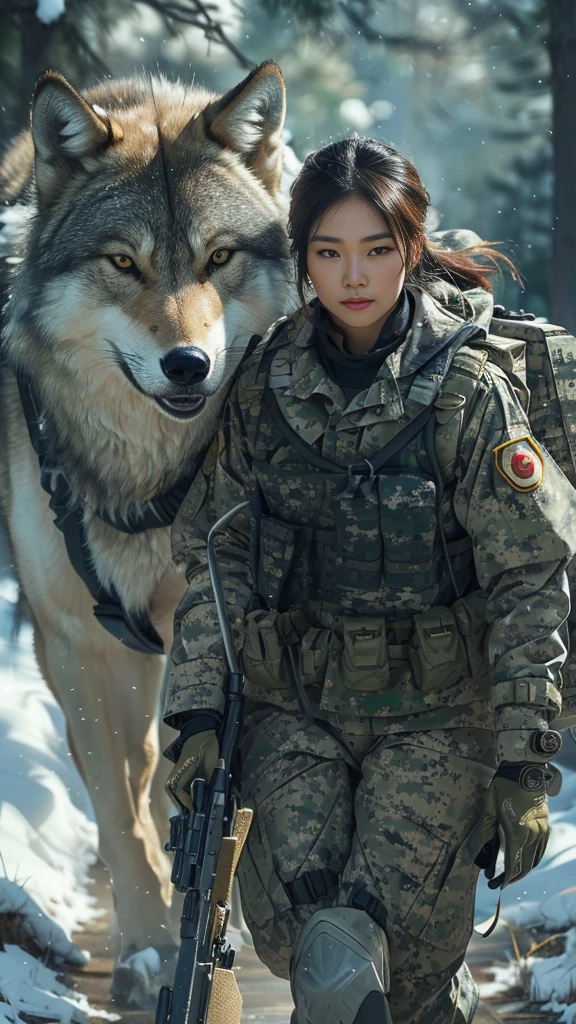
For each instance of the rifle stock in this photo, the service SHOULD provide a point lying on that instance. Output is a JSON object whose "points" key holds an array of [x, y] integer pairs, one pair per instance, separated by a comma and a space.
{"points": [[207, 841]]}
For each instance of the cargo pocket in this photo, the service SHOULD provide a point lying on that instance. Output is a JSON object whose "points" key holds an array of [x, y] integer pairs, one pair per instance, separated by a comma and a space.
{"points": [[264, 657], [358, 658], [276, 547], [451, 923], [436, 651], [470, 613], [407, 861]]}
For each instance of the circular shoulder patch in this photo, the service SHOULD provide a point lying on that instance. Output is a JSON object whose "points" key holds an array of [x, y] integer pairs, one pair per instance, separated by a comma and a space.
{"points": [[521, 463]]}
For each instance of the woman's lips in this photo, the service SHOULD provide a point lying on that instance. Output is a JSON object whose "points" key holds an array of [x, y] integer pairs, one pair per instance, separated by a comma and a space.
{"points": [[358, 304]]}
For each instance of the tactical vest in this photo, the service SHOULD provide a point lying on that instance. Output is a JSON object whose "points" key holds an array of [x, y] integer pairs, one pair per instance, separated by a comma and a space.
{"points": [[370, 540], [366, 537], [358, 560]]}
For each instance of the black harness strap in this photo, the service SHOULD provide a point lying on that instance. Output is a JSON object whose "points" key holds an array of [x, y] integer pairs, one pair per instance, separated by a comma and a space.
{"points": [[320, 884], [365, 468], [156, 512], [368, 467], [133, 629]]}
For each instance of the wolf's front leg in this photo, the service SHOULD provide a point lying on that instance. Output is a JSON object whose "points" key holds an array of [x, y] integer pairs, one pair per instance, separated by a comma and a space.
{"points": [[110, 697]]}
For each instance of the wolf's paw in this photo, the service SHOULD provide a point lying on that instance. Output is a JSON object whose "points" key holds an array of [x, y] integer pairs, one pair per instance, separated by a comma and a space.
{"points": [[138, 978]]}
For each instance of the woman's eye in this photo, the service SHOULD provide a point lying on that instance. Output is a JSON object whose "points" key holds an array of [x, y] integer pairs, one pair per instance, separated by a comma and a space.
{"points": [[328, 253], [220, 256], [379, 249], [124, 263]]}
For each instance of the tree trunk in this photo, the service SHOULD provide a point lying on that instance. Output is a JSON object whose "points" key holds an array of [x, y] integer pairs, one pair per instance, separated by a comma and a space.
{"points": [[562, 14]]}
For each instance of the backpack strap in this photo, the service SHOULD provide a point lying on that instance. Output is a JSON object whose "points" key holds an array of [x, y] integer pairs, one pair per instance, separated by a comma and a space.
{"points": [[366, 467], [424, 390]]}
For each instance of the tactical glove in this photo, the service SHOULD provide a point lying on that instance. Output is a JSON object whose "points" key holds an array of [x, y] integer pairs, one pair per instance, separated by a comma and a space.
{"points": [[197, 760], [519, 818]]}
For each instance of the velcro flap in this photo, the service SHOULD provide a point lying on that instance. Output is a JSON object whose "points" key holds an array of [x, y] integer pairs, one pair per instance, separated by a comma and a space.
{"points": [[538, 692]]}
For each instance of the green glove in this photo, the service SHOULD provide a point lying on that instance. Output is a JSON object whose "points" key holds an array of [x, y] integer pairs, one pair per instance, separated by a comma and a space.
{"points": [[520, 818], [197, 760]]}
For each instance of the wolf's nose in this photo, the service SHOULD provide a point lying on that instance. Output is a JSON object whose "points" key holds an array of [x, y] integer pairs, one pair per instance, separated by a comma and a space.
{"points": [[185, 366]]}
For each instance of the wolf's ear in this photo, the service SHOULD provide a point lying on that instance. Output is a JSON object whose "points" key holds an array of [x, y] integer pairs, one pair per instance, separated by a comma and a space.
{"points": [[65, 129], [249, 119]]}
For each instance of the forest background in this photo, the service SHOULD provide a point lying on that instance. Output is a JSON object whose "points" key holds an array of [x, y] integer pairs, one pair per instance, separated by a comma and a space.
{"points": [[480, 94]]}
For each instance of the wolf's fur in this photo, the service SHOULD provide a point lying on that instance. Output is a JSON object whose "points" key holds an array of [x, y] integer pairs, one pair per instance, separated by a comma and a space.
{"points": [[165, 174]]}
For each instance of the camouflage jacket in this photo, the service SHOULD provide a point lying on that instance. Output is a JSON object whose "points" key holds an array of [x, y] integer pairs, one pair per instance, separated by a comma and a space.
{"points": [[522, 537]]}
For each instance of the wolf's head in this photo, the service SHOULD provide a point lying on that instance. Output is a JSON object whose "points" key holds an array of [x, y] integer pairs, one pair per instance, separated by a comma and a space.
{"points": [[158, 246]]}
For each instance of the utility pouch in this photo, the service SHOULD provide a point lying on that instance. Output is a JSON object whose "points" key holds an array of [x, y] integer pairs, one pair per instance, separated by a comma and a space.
{"points": [[436, 650], [276, 542], [360, 658], [314, 648], [470, 613], [264, 655], [358, 563]]}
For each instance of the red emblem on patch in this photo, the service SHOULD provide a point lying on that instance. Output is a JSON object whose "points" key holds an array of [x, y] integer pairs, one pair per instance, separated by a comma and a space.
{"points": [[522, 465]]}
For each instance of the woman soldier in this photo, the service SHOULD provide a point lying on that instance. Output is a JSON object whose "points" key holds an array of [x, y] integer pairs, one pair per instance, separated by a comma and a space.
{"points": [[398, 593]]}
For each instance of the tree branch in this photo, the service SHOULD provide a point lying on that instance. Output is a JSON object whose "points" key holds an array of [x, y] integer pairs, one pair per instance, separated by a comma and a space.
{"points": [[197, 14], [408, 43]]}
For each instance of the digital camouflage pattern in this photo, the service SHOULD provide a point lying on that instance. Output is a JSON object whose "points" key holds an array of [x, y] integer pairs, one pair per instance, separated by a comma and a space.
{"points": [[521, 542], [414, 809], [392, 798], [548, 369]]}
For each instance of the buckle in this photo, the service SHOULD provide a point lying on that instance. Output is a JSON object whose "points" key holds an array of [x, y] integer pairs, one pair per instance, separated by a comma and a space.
{"points": [[364, 468]]}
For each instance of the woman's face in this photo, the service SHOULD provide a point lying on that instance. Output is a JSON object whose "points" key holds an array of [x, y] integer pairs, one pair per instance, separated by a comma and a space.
{"points": [[355, 266]]}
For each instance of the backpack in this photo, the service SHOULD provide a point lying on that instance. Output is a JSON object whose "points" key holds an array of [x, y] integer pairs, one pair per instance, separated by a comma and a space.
{"points": [[540, 362]]}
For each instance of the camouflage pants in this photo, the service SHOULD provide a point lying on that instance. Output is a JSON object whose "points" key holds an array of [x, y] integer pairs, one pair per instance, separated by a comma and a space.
{"points": [[391, 814]]}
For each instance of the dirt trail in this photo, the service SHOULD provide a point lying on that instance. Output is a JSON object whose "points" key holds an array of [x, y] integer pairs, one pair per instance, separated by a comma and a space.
{"points": [[267, 1000]]}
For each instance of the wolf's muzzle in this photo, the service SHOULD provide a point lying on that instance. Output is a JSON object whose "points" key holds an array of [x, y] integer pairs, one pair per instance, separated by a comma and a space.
{"points": [[185, 366]]}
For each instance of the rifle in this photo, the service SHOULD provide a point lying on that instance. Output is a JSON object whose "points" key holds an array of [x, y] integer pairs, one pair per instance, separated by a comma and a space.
{"points": [[207, 841]]}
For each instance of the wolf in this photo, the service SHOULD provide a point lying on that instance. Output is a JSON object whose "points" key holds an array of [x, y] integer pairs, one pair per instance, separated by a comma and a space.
{"points": [[154, 249]]}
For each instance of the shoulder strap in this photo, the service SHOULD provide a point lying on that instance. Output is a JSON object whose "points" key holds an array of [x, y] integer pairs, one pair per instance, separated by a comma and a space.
{"points": [[399, 441], [358, 469]]}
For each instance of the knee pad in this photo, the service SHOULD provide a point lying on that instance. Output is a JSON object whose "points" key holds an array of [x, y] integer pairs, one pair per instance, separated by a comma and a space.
{"points": [[340, 971]]}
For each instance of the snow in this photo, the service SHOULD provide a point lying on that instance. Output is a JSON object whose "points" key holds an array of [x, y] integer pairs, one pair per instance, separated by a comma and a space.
{"points": [[555, 977], [30, 987], [48, 11], [48, 837], [13, 222], [552, 980]]}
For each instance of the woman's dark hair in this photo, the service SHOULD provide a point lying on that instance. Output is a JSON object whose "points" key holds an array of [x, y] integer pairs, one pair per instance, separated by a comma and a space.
{"points": [[378, 173]]}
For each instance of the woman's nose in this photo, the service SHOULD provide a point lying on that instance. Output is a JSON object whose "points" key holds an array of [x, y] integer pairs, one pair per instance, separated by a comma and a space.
{"points": [[354, 275]]}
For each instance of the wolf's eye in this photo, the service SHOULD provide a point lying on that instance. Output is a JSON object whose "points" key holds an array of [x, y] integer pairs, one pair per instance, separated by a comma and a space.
{"points": [[123, 262], [220, 256]]}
